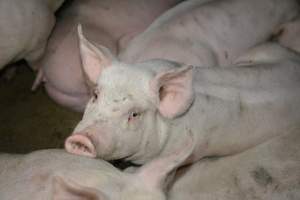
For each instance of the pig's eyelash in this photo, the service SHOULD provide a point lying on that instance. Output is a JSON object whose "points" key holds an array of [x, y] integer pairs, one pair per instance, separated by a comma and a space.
{"points": [[134, 114]]}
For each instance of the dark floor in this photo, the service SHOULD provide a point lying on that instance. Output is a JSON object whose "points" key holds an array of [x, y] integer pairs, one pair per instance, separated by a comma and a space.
{"points": [[31, 120]]}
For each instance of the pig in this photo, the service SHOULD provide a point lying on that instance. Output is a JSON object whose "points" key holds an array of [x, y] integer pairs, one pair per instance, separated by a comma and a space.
{"points": [[211, 34], [288, 35], [269, 171], [111, 23], [139, 111], [57, 175], [25, 28]]}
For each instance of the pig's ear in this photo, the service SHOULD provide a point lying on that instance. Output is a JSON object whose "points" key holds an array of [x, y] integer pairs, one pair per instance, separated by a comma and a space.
{"points": [[94, 58], [155, 173], [173, 90], [69, 190]]}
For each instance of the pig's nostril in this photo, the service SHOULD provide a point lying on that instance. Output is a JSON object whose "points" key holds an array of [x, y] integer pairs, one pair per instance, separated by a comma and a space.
{"points": [[80, 145]]}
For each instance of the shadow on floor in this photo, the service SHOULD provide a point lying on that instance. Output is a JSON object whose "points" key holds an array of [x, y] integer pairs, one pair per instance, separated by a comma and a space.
{"points": [[31, 120]]}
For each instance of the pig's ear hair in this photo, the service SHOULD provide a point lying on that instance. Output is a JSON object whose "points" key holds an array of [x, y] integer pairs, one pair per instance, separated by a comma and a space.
{"points": [[69, 190], [173, 90], [155, 173], [94, 58]]}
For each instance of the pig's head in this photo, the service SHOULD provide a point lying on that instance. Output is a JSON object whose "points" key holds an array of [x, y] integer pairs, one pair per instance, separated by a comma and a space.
{"points": [[147, 183], [128, 115]]}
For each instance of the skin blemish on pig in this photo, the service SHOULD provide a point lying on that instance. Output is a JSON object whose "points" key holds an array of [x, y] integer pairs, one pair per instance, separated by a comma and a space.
{"points": [[226, 54], [262, 176], [115, 109]]}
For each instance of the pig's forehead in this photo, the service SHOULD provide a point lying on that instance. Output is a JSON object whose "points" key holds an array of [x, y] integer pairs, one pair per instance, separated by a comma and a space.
{"points": [[123, 79]]}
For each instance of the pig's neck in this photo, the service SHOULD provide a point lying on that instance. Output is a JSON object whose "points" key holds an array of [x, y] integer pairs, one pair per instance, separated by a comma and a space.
{"points": [[153, 143]]}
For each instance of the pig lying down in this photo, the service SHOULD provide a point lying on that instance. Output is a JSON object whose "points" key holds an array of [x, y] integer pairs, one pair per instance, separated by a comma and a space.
{"points": [[57, 175], [108, 22], [143, 110], [209, 34], [267, 171], [186, 34], [24, 28]]}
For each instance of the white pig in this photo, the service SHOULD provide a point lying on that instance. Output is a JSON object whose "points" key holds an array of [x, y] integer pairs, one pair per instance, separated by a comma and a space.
{"points": [[139, 111], [209, 34], [24, 28], [108, 22], [269, 171], [58, 175]]}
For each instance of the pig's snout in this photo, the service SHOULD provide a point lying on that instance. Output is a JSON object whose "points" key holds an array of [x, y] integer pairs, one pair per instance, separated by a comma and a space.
{"points": [[80, 145]]}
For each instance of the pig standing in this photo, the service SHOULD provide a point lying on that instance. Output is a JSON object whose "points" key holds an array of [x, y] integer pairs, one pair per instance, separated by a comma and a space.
{"points": [[210, 34], [140, 111], [25, 28], [57, 175], [107, 22], [270, 171]]}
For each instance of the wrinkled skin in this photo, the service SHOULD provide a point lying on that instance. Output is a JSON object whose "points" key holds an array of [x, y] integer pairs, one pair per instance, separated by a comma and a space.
{"points": [[288, 35], [264, 53], [139, 111], [211, 34], [111, 23], [25, 28], [57, 175], [270, 171]]}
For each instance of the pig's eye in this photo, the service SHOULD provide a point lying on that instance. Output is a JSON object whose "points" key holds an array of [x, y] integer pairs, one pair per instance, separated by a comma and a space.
{"points": [[133, 115], [95, 95]]}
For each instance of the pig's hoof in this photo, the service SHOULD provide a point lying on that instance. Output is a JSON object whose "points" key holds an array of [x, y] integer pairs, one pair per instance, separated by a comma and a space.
{"points": [[80, 145]]}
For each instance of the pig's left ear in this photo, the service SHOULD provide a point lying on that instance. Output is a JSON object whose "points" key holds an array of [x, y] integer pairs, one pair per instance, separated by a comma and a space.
{"points": [[69, 190], [173, 90], [94, 58], [155, 173]]}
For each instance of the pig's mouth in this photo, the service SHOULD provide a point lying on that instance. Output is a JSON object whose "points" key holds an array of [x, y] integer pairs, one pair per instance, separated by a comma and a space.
{"points": [[80, 145]]}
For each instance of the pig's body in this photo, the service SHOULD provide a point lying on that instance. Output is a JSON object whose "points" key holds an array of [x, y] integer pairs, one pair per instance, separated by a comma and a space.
{"points": [[25, 28], [34, 174], [289, 35], [269, 171], [214, 33], [107, 22], [140, 111], [55, 174]]}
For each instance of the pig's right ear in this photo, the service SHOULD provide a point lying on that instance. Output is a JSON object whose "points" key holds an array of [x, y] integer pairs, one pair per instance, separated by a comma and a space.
{"points": [[69, 190], [94, 58]]}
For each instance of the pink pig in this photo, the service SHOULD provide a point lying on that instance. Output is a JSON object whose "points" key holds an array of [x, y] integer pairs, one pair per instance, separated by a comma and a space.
{"points": [[111, 23], [25, 28], [140, 111]]}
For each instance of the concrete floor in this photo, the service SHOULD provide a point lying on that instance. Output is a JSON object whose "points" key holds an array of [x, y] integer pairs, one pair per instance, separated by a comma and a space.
{"points": [[31, 120]]}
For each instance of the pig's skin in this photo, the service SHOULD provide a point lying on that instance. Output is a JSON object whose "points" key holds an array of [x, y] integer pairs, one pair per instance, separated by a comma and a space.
{"points": [[211, 34], [288, 35], [56, 175], [270, 171], [139, 111], [25, 28], [107, 22]]}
